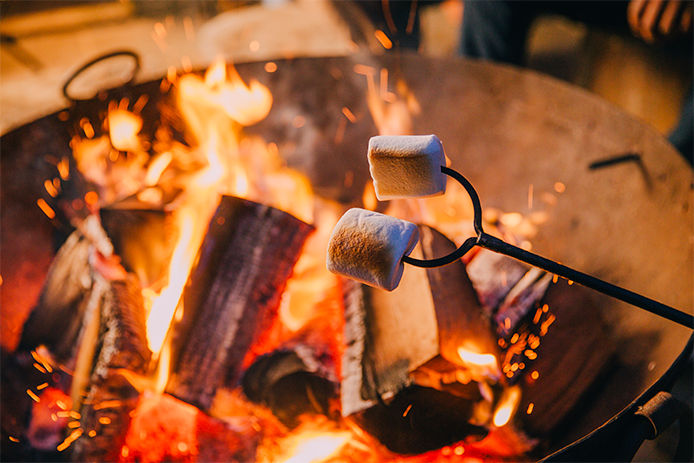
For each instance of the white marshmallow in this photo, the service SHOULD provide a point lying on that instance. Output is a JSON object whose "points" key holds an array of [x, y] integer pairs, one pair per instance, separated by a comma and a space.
{"points": [[406, 166], [369, 247]]}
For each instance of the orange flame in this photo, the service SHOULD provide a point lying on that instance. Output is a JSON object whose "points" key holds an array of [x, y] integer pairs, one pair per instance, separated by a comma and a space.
{"points": [[313, 446], [482, 367], [164, 306], [123, 127], [508, 404]]}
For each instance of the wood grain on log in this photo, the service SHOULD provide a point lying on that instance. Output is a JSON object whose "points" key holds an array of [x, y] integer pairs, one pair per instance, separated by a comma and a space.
{"points": [[233, 293], [57, 320], [122, 350], [390, 334]]}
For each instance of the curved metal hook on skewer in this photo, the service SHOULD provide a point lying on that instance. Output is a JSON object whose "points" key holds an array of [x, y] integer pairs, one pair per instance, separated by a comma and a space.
{"points": [[497, 245]]}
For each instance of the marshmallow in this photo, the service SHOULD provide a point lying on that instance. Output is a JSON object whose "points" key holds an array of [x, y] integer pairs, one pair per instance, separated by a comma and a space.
{"points": [[369, 247], [406, 166]]}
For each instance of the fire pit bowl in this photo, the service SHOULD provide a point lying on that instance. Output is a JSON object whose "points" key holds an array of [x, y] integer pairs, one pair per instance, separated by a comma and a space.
{"points": [[524, 140]]}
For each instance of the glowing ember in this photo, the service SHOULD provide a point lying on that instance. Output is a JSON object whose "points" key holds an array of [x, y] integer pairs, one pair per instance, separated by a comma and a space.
{"points": [[123, 129], [314, 446]]}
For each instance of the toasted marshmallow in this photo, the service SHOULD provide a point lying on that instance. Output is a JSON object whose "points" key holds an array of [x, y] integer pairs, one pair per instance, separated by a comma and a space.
{"points": [[406, 166], [369, 247]]}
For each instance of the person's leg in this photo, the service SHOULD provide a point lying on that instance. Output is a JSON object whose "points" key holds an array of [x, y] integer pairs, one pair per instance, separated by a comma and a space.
{"points": [[681, 135], [495, 30]]}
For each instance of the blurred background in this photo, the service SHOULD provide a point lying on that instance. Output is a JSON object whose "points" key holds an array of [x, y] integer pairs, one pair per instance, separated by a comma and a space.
{"points": [[43, 42]]}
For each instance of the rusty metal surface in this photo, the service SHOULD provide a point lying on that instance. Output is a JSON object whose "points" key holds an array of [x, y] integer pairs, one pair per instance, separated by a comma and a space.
{"points": [[504, 129]]}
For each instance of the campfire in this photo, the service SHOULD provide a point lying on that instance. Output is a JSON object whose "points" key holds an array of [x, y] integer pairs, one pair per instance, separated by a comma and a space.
{"points": [[190, 317]]}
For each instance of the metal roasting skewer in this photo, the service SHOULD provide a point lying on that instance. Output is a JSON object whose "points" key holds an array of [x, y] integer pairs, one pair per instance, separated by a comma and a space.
{"points": [[497, 245]]}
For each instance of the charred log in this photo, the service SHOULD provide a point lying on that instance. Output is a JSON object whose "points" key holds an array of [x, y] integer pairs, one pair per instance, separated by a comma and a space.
{"points": [[291, 383], [122, 350], [419, 419], [232, 294]]}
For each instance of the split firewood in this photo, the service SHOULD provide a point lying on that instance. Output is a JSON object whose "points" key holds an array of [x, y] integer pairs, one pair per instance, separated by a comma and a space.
{"points": [[291, 382], [397, 342], [121, 351], [232, 294], [58, 319]]}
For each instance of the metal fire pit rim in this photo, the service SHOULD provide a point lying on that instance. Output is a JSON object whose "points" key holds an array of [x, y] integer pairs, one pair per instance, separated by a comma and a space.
{"points": [[664, 382]]}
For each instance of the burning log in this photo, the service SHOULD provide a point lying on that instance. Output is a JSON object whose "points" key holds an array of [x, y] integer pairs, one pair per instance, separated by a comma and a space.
{"points": [[121, 351], [142, 238], [395, 340], [233, 293], [165, 429], [290, 382]]}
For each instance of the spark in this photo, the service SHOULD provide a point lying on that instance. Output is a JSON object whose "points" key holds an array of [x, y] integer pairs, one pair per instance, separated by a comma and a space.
{"points": [[104, 420], [108, 404], [270, 67], [33, 396], [538, 314], [407, 410], [73, 424], [383, 39], [92, 433], [50, 188], [459, 450], [41, 386], [546, 324], [531, 406], [40, 368], [48, 210], [349, 114], [530, 195], [13, 439], [535, 374], [74, 435], [254, 46], [559, 187], [141, 102], [87, 128]]}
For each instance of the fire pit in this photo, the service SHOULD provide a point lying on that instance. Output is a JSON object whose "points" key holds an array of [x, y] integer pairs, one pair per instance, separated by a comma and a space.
{"points": [[527, 143]]}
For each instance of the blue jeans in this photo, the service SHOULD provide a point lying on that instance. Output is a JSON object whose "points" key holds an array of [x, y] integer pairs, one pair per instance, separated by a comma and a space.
{"points": [[497, 31]]}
